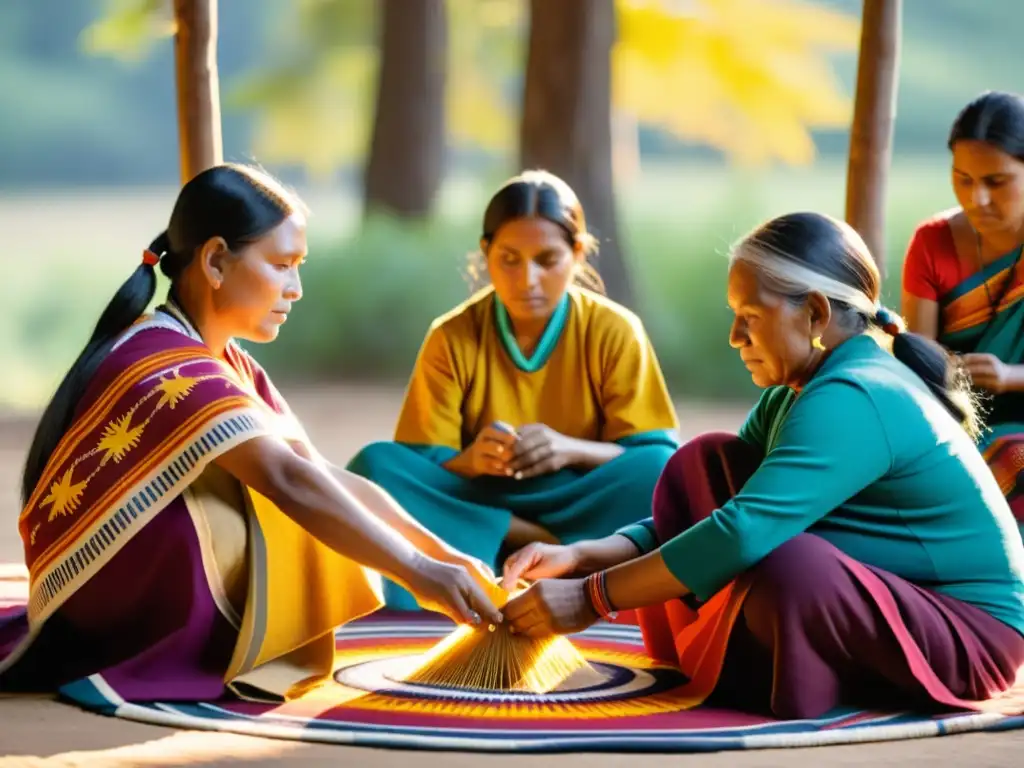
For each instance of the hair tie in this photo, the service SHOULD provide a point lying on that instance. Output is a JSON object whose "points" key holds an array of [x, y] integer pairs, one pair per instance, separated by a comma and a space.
{"points": [[150, 258], [889, 321]]}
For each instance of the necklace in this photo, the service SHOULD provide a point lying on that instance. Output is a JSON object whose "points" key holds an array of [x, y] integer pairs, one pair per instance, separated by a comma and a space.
{"points": [[1007, 284]]}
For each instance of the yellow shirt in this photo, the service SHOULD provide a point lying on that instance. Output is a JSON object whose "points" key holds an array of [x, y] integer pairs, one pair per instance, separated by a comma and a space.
{"points": [[602, 382]]}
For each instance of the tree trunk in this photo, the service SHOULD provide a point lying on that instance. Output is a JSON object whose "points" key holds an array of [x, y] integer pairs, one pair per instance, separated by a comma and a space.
{"points": [[404, 172], [567, 124], [873, 118], [195, 64]]}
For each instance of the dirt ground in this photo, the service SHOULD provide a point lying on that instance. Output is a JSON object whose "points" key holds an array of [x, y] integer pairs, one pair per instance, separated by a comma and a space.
{"points": [[40, 732]]}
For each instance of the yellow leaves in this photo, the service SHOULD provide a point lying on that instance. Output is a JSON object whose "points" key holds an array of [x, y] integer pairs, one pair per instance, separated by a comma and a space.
{"points": [[64, 496], [315, 111], [322, 120], [127, 28], [485, 46], [749, 77], [173, 389], [313, 108], [118, 438], [476, 118], [652, 30]]}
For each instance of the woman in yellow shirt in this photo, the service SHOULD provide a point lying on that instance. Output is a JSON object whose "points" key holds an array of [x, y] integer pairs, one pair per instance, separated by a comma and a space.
{"points": [[537, 410]]}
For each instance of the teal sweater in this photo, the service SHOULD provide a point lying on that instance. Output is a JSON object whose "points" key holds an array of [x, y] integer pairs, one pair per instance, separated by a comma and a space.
{"points": [[869, 460]]}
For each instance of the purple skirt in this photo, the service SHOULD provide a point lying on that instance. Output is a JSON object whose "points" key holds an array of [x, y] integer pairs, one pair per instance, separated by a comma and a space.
{"points": [[808, 628], [146, 621]]}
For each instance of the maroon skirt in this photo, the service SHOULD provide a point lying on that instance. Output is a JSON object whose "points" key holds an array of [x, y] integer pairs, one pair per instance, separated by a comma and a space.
{"points": [[809, 628]]}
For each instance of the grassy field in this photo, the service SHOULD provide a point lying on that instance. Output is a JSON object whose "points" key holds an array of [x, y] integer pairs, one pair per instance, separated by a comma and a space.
{"points": [[68, 251]]}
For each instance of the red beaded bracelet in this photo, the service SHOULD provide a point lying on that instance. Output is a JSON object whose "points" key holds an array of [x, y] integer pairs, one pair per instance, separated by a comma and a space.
{"points": [[597, 592]]}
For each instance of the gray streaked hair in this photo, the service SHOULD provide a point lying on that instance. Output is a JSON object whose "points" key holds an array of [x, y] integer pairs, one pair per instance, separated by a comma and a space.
{"points": [[802, 253], [782, 273]]}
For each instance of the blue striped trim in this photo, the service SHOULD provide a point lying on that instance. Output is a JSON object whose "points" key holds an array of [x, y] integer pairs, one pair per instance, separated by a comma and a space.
{"points": [[84, 693], [144, 500], [214, 711], [778, 734], [218, 711], [840, 726]]}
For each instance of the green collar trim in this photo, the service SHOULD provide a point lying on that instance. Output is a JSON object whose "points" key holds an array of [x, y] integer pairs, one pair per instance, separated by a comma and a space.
{"points": [[548, 339]]}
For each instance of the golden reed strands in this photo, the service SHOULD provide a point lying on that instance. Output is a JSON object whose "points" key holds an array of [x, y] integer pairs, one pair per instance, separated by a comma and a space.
{"points": [[492, 658]]}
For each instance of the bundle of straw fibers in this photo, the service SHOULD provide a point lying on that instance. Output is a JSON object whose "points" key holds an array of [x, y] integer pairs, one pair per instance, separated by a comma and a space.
{"points": [[491, 658]]}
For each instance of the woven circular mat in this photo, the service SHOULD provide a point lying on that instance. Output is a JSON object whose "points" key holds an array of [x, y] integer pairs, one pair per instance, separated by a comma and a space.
{"points": [[625, 703]]}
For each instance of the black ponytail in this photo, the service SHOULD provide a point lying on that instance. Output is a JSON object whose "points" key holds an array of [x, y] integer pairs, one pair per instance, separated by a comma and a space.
{"points": [[125, 308], [934, 366], [942, 374], [237, 203]]}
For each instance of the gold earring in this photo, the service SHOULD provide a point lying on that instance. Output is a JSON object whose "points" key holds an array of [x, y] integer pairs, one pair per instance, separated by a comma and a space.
{"points": [[816, 343]]}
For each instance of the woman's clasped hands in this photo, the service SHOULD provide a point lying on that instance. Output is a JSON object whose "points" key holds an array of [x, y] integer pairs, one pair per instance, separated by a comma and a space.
{"points": [[530, 451]]}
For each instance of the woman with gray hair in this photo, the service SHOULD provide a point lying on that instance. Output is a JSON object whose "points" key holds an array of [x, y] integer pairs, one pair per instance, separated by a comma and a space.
{"points": [[848, 547]]}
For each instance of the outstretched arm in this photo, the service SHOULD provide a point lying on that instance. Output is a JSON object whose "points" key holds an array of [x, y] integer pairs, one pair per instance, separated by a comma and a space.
{"points": [[547, 561], [326, 509], [643, 581], [383, 506], [805, 476], [329, 511]]}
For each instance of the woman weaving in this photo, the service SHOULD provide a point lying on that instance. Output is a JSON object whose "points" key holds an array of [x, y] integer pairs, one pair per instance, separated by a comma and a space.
{"points": [[848, 547], [962, 277], [536, 410], [181, 533]]}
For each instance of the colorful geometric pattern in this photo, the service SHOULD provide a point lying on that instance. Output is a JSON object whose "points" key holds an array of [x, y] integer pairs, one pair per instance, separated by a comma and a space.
{"points": [[129, 454], [632, 705]]}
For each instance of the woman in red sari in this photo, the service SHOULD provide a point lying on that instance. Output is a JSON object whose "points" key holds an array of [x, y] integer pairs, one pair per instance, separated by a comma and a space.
{"points": [[182, 535], [962, 281]]}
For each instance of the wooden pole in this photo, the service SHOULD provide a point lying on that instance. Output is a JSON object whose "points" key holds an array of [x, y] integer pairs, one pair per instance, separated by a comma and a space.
{"points": [[195, 64], [874, 114]]}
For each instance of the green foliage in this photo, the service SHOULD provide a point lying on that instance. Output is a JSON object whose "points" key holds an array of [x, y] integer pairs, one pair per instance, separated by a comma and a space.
{"points": [[312, 104], [750, 78], [368, 300], [52, 308], [82, 119], [312, 96], [370, 293], [370, 297]]}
